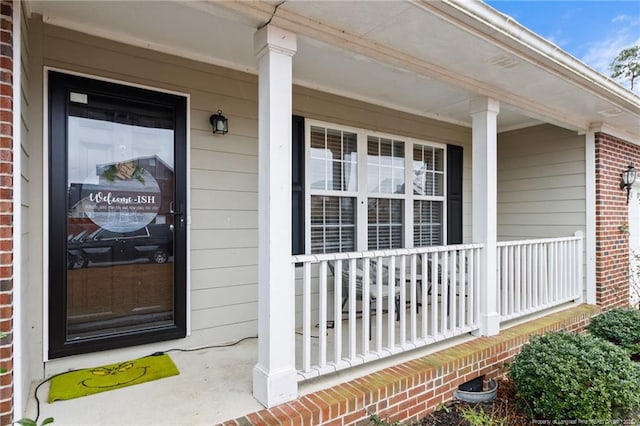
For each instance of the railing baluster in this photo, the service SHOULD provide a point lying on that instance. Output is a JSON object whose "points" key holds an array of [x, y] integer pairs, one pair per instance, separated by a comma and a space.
{"points": [[546, 251], [512, 281], [552, 272], [424, 290], [545, 278], [535, 266], [379, 306], [561, 278], [453, 286], [577, 258], [568, 275], [529, 303], [366, 302], [462, 279], [499, 269], [403, 297], [413, 307], [306, 317], [337, 311], [558, 272], [353, 298], [444, 295], [570, 269], [518, 281], [322, 315], [476, 288], [434, 285], [391, 304]]}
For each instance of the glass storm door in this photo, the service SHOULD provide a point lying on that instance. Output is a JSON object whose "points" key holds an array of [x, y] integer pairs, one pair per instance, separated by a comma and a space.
{"points": [[117, 242]]}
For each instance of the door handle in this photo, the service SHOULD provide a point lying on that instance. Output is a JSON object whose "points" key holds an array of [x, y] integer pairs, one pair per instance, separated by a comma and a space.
{"points": [[175, 213], [172, 211]]}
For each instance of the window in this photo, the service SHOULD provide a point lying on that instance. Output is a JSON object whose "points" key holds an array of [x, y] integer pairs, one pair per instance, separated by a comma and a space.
{"points": [[333, 181], [385, 178], [428, 191], [357, 197]]}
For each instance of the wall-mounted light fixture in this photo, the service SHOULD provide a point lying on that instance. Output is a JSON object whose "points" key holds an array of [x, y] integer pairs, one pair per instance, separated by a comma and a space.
{"points": [[220, 123], [628, 178]]}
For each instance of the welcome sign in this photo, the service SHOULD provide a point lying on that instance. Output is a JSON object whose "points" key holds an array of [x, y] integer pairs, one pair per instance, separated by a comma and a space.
{"points": [[126, 198]]}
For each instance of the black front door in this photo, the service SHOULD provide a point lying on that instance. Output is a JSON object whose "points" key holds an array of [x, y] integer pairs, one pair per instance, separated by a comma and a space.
{"points": [[117, 215]]}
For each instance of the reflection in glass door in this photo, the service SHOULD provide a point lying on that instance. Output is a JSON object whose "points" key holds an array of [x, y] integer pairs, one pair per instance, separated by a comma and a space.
{"points": [[117, 215]]}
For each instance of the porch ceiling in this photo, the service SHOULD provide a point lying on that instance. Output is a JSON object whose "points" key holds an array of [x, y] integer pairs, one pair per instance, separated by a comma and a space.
{"points": [[418, 56]]}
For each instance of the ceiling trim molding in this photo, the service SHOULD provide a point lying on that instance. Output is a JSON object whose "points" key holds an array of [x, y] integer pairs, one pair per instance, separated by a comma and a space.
{"points": [[520, 126], [378, 102]]}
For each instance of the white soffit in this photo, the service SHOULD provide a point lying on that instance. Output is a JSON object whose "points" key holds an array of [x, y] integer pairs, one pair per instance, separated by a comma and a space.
{"points": [[222, 33]]}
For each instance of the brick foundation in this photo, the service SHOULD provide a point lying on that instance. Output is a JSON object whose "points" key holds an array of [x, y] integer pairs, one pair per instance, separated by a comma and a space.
{"points": [[409, 391], [6, 211], [613, 155]]}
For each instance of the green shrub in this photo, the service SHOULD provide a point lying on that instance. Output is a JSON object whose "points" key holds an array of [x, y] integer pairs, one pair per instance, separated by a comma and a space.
{"points": [[619, 326], [563, 376]]}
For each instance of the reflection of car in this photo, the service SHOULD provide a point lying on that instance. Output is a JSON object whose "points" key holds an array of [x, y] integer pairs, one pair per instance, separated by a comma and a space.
{"points": [[153, 242]]}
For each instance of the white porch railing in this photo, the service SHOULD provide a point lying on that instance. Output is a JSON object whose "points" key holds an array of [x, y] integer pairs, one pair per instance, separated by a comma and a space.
{"points": [[344, 314], [537, 274]]}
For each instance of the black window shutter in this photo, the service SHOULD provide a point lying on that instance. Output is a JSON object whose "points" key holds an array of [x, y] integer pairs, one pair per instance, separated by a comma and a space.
{"points": [[297, 185], [454, 194]]}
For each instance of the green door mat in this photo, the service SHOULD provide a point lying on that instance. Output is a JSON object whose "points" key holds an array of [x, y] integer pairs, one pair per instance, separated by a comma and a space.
{"points": [[88, 381]]}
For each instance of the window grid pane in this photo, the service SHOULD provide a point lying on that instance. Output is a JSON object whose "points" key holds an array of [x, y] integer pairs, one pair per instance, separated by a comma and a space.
{"points": [[334, 160], [385, 227], [385, 165], [428, 170], [427, 223], [332, 224]]}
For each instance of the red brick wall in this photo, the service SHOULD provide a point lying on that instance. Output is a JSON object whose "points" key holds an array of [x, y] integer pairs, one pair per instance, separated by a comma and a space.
{"points": [[612, 239], [6, 210]]}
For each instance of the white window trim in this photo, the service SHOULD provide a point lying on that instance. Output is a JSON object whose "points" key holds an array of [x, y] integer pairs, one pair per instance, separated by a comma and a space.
{"points": [[362, 194]]}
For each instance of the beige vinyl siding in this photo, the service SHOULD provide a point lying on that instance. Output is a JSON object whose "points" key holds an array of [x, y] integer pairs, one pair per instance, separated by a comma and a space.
{"points": [[223, 172], [541, 183], [223, 169]]}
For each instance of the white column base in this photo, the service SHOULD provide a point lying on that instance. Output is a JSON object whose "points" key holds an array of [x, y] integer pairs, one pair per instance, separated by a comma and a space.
{"points": [[275, 388], [489, 325]]}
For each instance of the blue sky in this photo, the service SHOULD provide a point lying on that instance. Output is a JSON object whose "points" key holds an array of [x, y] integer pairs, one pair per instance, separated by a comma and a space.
{"points": [[594, 31]]}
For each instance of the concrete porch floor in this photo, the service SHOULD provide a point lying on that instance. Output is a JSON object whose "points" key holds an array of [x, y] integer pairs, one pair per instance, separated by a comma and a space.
{"points": [[214, 385]]}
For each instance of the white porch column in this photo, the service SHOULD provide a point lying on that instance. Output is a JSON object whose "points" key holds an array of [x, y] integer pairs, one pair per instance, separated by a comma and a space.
{"points": [[274, 376], [484, 113]]}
